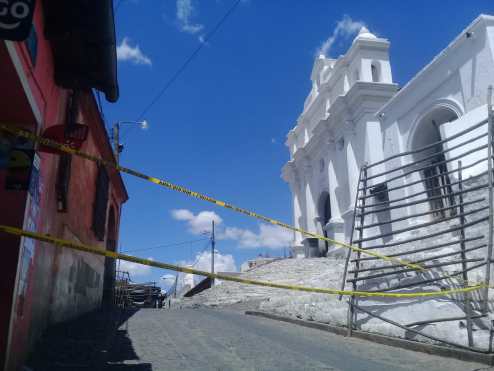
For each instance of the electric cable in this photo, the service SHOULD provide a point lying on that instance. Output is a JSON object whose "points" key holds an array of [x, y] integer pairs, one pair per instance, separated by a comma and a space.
{"points": [[184, 65], [167, 245]]}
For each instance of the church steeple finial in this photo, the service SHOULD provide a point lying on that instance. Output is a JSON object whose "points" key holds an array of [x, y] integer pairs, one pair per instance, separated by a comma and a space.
{"points": [[364, 33]]}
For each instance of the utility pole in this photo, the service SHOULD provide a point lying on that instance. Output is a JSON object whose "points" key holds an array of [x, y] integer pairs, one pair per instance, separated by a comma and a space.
{"points": [[117, 147], [176, 284], [212, 252], [116, 141]]}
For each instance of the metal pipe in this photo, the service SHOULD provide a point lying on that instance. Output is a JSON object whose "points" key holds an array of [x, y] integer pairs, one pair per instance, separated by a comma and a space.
{"points": [[491, 199], [476, 149], [452, 229], [418, 323], [421, 201], [435, 257], [349, 251], [407, 184], [410, 216], [491, 336], [430, 280], [417, 332], [430, 156], [461, 215], [429, 145], [421, 225], [413, 269], [409, 252], [354, 299], [427, 190]]}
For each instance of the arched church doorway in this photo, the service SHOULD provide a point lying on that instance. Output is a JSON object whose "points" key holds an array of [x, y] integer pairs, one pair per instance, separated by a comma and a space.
{"points": [[324, 212], [433, 169], [110, 264]]}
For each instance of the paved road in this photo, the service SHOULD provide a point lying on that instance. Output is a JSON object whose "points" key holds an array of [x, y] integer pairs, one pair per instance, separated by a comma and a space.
{"points": [[206, 339]]}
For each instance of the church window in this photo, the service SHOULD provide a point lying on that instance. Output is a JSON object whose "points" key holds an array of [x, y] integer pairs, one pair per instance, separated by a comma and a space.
{"points": [[375, 72]]}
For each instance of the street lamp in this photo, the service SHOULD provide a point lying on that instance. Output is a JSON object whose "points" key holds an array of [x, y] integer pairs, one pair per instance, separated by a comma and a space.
{"points": [[117, 146]]}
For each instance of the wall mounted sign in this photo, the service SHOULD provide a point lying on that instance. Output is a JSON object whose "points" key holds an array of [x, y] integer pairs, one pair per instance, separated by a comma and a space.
{"points": [[73, 135], [16, 18]]}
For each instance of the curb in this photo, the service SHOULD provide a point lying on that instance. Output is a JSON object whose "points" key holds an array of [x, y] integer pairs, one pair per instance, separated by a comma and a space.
{"points": [[461, 354]]}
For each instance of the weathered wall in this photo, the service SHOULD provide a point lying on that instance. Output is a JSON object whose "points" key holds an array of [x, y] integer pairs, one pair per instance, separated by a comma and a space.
{"points": [[50, 284]]}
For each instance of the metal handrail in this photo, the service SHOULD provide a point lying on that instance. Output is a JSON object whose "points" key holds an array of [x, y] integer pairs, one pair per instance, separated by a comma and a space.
{"points": [[471, 140], [430, 280], [433, 247], [449, 230], [447, 196], [443, 264], [424, 200], [409, 216], [429, 145], [429, 178], [435, 257], [421, 225], [437, 163], [418, 332]]}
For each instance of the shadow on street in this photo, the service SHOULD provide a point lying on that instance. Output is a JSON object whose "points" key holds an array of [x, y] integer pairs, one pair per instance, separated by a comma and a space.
{"points": [[91, 341]]}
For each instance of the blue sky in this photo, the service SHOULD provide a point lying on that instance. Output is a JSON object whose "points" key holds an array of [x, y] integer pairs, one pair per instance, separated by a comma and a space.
{"points": [[220, 128]]}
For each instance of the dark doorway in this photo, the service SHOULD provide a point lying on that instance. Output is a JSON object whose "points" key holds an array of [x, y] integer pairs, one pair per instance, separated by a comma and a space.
{"points": [[435, 173], [324, 216]]}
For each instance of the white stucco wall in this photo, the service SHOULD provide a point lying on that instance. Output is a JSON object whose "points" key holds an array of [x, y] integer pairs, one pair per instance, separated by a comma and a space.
{"points": [[347, 122], [330, 141]]}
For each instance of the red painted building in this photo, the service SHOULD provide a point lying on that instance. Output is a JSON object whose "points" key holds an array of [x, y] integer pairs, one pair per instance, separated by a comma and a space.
{"points": [[47, 83]]}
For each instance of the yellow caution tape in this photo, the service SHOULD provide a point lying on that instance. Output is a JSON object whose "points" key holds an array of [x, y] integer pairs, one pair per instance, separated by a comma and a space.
{"points": [[174, 187], [110, 254]]}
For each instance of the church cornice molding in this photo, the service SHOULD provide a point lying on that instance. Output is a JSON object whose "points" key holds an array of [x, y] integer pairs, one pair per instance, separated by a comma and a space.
{"points": [[363, 97], [290, 173], [316, 107], [366, 44], [405, 95], [303, 161]]}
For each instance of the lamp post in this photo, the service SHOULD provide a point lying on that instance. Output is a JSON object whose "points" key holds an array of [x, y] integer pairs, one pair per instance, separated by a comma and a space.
{"points": [[117, 146]]}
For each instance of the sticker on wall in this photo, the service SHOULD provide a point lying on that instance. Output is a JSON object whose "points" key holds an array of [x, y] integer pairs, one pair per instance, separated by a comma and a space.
{"points": [[16, 18]]}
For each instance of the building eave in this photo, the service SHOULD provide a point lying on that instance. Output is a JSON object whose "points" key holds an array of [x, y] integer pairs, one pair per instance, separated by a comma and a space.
{"points": [[422, 74]]}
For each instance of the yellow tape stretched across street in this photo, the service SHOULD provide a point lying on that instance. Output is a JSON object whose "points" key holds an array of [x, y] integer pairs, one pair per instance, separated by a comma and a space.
{"points": [[99, 251], [166, 184]]}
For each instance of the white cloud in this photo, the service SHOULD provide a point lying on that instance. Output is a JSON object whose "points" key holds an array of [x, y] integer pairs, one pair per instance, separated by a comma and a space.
{"points": [[168, 277], [132, 54], [199, 223], [345, 27], [185, 12], [268, 236], [167, 280], [134, 269], [222, 263]]}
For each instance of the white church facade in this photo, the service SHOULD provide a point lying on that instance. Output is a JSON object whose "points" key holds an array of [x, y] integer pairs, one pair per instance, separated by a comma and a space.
{"points": [[355, 114]]}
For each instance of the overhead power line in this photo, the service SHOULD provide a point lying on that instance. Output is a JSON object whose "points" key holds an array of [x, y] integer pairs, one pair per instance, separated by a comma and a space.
{"points": [[182, 68], [168, 245]]}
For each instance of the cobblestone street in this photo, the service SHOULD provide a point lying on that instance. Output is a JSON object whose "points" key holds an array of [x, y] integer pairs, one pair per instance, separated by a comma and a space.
{"points": [[208, 339]]}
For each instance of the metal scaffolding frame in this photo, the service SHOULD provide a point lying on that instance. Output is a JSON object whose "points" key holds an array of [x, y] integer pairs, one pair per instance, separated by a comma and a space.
{"points": [[383, 189]]}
